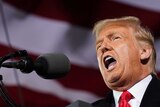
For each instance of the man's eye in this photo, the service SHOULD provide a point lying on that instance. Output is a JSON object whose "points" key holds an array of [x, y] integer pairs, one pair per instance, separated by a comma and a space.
{"points": [[98, 47], [115, 38]]}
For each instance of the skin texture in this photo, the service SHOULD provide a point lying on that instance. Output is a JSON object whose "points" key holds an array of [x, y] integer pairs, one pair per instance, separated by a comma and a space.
{"points": [[120, 43]]}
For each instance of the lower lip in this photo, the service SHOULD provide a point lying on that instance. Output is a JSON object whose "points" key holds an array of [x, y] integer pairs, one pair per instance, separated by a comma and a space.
{"points": [[112, 66]]}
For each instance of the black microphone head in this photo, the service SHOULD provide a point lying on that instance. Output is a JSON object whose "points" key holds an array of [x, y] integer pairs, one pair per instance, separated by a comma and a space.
{"points": [[52, 66]]}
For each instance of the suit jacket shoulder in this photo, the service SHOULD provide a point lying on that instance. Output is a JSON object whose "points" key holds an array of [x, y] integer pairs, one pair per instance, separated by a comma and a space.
{"points": [[151, 96], [108, 101]]}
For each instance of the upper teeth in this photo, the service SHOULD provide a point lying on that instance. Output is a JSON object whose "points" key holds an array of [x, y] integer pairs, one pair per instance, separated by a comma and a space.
{"points": [[107, 58]]}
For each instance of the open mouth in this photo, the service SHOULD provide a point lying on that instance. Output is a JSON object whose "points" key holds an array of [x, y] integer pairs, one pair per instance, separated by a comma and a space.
{"points": [[109, 62]]}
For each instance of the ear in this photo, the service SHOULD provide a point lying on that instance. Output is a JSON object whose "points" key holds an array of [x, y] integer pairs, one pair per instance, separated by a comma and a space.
{"points": [[145, 52]]}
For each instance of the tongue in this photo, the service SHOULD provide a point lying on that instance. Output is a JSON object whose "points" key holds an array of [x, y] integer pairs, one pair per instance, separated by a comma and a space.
{"points": [[111, 65]]}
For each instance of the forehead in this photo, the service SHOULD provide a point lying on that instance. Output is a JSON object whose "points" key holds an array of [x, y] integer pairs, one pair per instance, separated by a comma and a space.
{"points": [[115, 29]]}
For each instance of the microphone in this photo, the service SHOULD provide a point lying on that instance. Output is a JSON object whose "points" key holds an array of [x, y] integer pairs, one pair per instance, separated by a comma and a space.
{"points": [[47, 66], [79, 103]]}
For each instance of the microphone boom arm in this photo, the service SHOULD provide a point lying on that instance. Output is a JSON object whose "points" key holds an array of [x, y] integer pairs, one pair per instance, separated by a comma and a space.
{"points": [[4, 95]]}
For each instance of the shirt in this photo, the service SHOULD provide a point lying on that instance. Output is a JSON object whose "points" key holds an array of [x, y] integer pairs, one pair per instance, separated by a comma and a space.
{"points": [[137, 91]]}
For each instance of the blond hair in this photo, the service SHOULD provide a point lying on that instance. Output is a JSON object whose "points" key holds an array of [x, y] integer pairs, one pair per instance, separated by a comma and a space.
{"points": [[141, 33]]}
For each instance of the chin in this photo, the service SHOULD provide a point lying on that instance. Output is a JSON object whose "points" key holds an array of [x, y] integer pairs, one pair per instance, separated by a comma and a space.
{"points": [[119, 85], [119, 88]]}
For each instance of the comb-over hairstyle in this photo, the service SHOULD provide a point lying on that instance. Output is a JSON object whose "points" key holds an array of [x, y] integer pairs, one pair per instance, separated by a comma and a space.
{"points": [[140, 32]]}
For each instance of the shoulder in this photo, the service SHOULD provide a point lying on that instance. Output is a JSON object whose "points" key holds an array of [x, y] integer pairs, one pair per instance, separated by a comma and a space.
{"points": [[154, 85], [155, 81], [151, 97], [153, 89], [107, 101], [99, 103]]}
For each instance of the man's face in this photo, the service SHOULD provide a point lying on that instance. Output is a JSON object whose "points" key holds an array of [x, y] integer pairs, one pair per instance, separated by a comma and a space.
{"points": [[118, 54]]}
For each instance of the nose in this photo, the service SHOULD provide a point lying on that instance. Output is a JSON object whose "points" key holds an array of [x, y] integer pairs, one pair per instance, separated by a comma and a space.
{"points": [[106, 46]]}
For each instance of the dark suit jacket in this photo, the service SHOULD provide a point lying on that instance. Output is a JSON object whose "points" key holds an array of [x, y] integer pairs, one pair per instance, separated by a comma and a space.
{"points": [[151, 97]]}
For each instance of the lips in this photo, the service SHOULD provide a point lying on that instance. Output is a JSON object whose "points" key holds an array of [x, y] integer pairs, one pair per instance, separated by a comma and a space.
{"points": [[109, 62]]}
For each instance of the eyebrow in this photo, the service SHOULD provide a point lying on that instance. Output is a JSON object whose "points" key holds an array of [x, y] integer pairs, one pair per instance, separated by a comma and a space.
{"points": [[108, 35]]}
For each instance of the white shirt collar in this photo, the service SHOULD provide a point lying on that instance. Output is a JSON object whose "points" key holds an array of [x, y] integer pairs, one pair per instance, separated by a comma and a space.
{"points": [[137, 90]]}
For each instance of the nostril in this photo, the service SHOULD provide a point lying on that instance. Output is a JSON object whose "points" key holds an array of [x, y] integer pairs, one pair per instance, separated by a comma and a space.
{"points": [[104, 49]]}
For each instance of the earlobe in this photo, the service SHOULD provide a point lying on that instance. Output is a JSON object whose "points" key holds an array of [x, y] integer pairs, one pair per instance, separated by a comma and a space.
{"points": [[145, 52]]}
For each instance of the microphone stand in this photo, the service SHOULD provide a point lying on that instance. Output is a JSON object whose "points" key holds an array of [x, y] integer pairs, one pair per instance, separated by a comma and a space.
{"points": [[3, 91], [4, 95]]}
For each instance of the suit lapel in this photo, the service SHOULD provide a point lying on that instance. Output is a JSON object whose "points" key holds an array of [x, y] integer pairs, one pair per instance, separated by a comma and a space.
{"points": [[110, 100], [151, 97]]}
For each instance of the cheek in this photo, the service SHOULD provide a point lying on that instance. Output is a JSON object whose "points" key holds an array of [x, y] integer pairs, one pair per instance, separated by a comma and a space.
{"points": [[122, 50], [127, 54], [99, 56], [129, 57], [126, 50], [99, 62], [100, 65]]}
